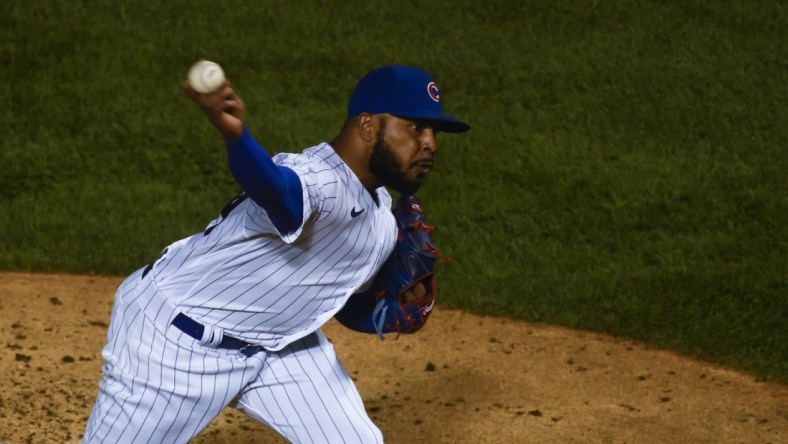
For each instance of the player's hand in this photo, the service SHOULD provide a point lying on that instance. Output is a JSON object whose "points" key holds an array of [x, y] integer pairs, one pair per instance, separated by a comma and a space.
{"points": [[225, 110]]}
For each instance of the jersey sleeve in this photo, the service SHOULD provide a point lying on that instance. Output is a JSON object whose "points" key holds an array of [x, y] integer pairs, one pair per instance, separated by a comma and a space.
{"points": [[275, 188], [318, 188]]}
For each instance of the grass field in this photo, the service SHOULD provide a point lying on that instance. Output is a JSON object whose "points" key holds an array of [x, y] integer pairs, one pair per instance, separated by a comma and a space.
{"points": [[625, 171]]}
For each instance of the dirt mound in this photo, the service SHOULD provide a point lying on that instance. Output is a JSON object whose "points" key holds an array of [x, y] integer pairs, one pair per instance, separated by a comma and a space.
{"points": [[462, 379]]}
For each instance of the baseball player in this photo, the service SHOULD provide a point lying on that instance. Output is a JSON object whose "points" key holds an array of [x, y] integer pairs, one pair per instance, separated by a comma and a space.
{"points": [[231, 315]]}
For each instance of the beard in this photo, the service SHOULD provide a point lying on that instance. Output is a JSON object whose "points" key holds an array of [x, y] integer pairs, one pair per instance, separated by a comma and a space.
{"points": [[388, 170]]}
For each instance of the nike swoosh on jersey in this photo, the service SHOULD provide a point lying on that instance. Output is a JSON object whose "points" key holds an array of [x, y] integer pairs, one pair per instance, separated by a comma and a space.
{"points": [[354, 213]]}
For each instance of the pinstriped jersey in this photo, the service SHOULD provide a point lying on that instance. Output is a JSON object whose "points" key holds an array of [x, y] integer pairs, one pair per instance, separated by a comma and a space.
{"points": [[244, 277]]}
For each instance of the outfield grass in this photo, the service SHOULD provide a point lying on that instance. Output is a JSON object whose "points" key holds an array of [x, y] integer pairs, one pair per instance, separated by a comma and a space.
{"points": [[625, 171]]}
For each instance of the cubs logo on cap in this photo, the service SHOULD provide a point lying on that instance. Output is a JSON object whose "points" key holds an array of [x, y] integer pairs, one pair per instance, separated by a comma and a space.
{"points": [[399, 91], [432, 89]]}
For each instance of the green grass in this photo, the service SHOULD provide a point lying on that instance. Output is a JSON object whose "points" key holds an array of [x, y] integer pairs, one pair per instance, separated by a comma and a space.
{"points": [[625, 171]]}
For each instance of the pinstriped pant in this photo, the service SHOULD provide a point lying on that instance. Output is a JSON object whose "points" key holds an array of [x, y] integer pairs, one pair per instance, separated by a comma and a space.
{"points": [[162, 386]]}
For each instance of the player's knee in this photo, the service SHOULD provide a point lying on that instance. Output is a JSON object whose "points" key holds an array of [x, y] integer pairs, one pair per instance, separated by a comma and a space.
{"points": [[377, 436], [360, 431], [368, 432]]}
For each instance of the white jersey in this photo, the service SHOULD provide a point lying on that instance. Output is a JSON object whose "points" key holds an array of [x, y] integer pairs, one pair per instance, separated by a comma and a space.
{"points": [[244, 277]]}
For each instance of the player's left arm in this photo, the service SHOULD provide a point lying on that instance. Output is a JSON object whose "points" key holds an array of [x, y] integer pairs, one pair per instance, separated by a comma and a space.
{"points": [[401, 297]]}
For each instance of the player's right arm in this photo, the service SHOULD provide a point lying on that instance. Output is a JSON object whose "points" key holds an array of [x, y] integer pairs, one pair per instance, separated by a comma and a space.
{"points": [[277, 189], [274, 187]]}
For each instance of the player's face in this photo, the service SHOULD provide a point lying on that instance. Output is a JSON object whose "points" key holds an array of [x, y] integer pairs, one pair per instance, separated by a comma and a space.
{"points": [[403, 154]]}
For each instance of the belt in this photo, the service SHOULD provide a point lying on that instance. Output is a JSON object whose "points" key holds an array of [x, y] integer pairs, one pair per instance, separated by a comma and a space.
{"points": [[195, 330]]}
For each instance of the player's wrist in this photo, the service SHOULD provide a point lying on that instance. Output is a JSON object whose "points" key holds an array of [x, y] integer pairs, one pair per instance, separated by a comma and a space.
{"points": [[235, 134]]}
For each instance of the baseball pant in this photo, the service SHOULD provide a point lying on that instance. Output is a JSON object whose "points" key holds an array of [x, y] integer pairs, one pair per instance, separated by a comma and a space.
{"points": [[160, 385]]}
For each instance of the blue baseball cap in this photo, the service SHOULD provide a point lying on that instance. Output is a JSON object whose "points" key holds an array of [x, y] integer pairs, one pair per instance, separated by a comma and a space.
{"points": [[403, 92]]}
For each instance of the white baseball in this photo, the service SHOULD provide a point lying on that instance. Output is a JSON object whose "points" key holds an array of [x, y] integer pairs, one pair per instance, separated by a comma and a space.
{"points": [[206, 77]]}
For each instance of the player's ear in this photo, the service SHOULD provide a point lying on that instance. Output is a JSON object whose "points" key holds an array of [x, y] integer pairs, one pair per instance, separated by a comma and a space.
{"points": [[367, 127]]}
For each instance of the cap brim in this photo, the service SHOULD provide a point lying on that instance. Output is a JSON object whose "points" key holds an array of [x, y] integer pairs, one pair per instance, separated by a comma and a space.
{"points": [[440, 122]]}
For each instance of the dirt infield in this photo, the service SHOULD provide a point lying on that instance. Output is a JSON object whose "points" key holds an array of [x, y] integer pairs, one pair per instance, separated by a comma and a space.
{"points": [[462, 379]]}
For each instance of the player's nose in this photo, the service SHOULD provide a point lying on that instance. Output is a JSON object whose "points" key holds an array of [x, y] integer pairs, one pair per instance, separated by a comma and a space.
{"points": [[428, 140]]}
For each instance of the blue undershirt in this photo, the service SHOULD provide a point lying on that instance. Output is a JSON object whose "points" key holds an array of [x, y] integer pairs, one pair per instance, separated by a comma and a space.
{"points": [[277, 189]]}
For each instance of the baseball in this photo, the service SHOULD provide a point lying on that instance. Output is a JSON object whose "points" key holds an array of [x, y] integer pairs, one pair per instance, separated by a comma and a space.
{"points": [[206, 77]]}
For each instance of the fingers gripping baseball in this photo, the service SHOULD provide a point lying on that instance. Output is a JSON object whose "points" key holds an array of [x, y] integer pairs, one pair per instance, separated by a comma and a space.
{"points": [[222, 106]]}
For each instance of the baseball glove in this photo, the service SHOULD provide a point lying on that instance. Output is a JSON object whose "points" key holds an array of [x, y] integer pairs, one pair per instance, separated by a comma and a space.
{"points": [[401, 297]]}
